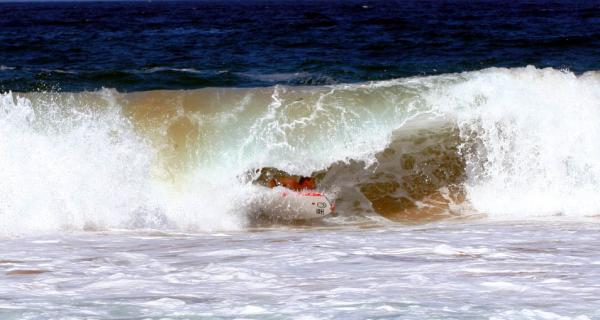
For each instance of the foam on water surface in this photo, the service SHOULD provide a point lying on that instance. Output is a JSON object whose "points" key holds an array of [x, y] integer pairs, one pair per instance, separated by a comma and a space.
{"points": [[516, 271]]}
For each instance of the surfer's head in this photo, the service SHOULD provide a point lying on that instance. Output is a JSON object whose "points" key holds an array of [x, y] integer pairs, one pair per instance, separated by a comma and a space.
{"points": [[307, 183]]}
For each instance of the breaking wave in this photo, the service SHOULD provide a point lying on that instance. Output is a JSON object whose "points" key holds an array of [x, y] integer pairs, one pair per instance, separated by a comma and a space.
{"points": [[499, 143]]}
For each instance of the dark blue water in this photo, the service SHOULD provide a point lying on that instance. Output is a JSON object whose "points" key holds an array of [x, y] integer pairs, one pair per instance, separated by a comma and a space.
{"points": [[135, 46]]}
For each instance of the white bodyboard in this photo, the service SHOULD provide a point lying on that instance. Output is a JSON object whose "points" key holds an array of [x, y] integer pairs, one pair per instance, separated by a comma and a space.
{"points": [[297, 205]]}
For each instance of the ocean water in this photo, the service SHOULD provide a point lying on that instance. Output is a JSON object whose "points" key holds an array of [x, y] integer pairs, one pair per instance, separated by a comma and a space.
{"points": [[144, 45], [478, 270], [459, 141]]}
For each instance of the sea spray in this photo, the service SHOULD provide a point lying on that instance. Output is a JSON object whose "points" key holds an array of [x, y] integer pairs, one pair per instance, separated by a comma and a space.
{"points": [[67, 171], [530, 140], [84, 167]]}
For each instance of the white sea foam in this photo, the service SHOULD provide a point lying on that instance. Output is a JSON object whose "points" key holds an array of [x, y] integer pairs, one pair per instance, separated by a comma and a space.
{"points": [[63, 169], [535, 152], [117, 275]]}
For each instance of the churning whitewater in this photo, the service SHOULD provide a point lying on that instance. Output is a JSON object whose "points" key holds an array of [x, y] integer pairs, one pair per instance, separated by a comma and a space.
{"points": [[515, 144]]}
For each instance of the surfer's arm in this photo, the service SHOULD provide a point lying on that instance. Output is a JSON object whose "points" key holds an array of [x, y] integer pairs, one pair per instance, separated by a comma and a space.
{"points": [[272, 183]]}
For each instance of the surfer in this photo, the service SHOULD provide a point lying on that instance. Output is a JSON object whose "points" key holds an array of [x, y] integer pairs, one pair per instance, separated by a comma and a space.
{"points": [[298, 201], [273, 177], [302, 183]]}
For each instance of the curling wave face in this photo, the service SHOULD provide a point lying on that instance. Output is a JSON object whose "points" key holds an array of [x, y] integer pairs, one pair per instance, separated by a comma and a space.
{"points": [[505, 143]]}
